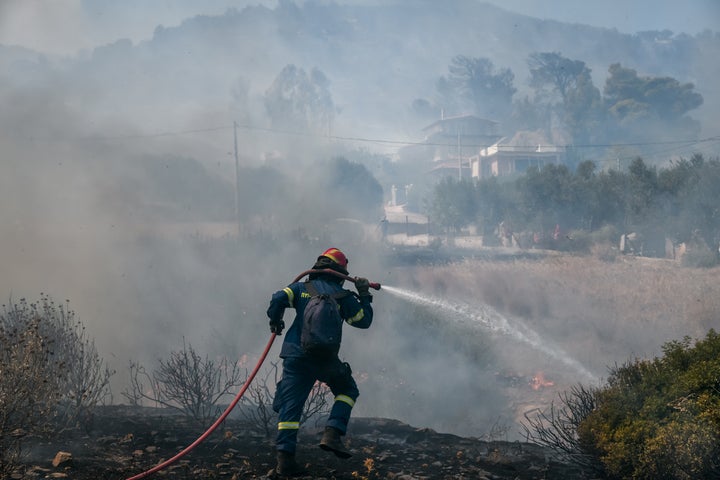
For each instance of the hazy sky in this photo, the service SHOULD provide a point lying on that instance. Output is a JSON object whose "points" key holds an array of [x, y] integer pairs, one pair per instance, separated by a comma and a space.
{"points": [[628, 16], [65, 26]]}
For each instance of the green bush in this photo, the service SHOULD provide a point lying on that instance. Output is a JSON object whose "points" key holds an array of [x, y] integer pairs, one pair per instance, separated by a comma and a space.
{"points": [[585, 241], [700, 257], [660, 419]]}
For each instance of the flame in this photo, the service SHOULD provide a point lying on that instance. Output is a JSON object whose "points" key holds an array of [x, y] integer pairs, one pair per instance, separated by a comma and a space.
{"points": [[539, 381], [243, 361]]}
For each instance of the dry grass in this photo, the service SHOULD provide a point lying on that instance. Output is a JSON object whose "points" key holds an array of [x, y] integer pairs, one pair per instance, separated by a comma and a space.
{"points": [[603, 313]]}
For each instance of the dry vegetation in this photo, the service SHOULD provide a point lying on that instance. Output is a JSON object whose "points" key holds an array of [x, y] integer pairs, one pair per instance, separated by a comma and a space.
{"points": [[51, 375], [601, 312]]}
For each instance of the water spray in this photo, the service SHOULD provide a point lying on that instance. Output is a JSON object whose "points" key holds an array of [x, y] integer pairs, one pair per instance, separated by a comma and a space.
{"points": [[485, 317]]}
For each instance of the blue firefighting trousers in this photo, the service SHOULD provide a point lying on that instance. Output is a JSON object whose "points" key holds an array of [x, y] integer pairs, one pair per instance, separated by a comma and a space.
{"points": [[299, 376]]}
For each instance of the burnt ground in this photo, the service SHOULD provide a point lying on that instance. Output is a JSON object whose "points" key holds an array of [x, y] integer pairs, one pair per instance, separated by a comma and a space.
{"points": [[127, 441]]}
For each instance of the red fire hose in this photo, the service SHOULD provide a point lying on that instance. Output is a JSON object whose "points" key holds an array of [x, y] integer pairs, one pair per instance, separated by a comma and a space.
{"points": [[239, 395], [217, 423], [373, 285]]}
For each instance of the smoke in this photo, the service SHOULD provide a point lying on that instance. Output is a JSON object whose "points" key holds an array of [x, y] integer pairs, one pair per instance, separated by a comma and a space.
{"points": [[485, 318], [117, 175], [418, 367], [138, 230], [455, 366], [64, 27], [40, 25]]}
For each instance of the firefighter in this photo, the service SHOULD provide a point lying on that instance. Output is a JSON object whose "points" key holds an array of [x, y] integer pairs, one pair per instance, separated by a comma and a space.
{"points": [[301, 370]]}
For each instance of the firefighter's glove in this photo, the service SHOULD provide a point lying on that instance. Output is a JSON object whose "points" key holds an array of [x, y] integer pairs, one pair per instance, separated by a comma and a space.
{"points": [[363, 286], [277, 326]]}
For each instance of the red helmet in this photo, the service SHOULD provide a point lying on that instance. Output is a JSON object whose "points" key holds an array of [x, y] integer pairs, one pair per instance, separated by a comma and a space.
{"points": [[336, 256]]}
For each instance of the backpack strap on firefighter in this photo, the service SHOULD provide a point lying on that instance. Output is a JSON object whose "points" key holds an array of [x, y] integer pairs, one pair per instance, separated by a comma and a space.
{"points": [[321, 333], [314, 293]]}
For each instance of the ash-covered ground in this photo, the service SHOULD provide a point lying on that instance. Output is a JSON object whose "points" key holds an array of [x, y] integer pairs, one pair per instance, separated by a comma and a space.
{"points": [[126, 441]]}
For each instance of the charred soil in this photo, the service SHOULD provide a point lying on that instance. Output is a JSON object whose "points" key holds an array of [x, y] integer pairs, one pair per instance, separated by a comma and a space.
{"points": [[126, 441]]}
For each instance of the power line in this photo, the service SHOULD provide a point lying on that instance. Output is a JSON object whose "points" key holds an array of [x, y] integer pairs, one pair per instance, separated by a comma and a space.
{"points": [[706, 148], [161, 134], [333, 137], [675, 144], [130, 136], [436, 144]]}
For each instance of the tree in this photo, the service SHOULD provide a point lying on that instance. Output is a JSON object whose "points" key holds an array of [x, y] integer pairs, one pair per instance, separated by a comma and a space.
{"points": [[548, 197], [699, 212], [560, 74], [180, 188], [641, 194], [424, 109], [588, 202], [348, 190], [494, 201], [566, 86], [453, 204], [475, 82], [583, 113], [530, 114], [586, 170], [638, 104], [299, 101]]}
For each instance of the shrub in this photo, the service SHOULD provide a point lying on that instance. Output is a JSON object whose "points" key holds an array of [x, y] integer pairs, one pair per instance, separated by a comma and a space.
{"points": [[51, 376], [605, 252], [578, 241], [557, 428], [700, 257], [194, 386], [258, 400], [655, 419], [185, 382]]}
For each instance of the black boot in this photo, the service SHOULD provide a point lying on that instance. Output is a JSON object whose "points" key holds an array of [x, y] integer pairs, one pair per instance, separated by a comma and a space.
{"points": [[287, 466], [332, 442]]}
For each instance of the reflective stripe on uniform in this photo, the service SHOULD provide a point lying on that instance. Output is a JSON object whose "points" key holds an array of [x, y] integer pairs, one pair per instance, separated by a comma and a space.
{"points": [[288, 425], [290, 294], [345, 399], [358, 316]]}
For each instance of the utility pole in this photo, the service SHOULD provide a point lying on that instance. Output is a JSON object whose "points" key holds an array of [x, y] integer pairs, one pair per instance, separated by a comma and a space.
{"points": [[459, 156], [237, 180]]}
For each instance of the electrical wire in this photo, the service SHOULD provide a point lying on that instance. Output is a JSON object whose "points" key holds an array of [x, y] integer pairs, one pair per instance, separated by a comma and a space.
{"points": [[673, 145]]}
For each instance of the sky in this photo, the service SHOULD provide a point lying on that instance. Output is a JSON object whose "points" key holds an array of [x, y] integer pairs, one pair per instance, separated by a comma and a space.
{"points": [[627, 16], [67, 26]]}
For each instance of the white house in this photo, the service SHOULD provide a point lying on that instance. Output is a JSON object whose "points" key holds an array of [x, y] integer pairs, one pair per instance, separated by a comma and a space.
{"points": [[515, 155]]}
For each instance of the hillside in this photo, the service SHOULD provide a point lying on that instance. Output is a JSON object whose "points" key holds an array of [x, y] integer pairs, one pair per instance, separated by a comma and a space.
{"points": [[377, 58]]}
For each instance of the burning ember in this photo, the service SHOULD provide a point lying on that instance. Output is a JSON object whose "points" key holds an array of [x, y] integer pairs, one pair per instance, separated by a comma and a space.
{"points": [[539, 381]]}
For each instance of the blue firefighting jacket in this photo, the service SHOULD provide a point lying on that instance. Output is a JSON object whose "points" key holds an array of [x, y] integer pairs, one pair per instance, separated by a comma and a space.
{"points": [[355, 312]]}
